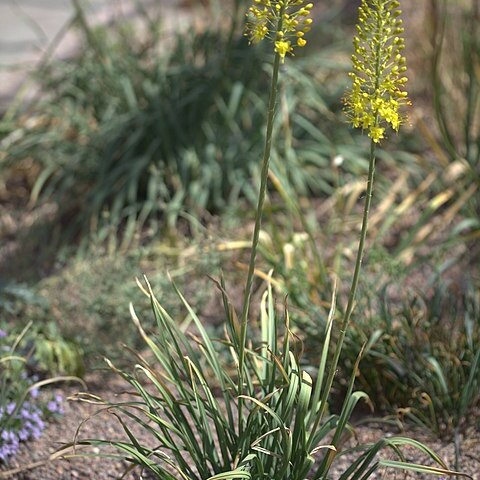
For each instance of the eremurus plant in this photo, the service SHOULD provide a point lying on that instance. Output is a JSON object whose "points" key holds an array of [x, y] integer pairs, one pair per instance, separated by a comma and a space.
{"points": [[242, 407]]}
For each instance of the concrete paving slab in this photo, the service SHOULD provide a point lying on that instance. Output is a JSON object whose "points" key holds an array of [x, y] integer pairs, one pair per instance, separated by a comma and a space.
{"points": [[28, 28]]}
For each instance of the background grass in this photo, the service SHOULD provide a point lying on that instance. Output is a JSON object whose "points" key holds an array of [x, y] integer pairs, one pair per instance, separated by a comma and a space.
{"points": [[134, 145]]}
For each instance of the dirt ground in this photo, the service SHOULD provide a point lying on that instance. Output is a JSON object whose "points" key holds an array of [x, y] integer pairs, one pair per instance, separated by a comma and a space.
{"points": [[35, 454]]}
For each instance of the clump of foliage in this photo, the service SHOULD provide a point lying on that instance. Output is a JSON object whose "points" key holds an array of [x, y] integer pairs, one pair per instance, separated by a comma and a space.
{"points": [[48, 349], [24, 410], [423, 358], [196, 424]]}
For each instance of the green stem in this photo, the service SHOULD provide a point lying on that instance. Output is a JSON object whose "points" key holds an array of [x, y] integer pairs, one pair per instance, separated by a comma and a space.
{"points": [[258, 223], [352, 294], [361, 247]]}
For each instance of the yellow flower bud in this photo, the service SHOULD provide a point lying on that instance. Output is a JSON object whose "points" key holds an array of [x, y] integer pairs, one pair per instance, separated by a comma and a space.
{"points": [[301, 42]]}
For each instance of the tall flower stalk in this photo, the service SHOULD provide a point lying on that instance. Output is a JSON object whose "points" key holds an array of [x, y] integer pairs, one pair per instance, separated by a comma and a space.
{"points": [[373, 103], [284, 23]]}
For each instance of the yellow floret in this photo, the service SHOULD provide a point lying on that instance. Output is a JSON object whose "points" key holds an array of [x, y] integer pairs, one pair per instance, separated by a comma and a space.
{"points": [[283, 47]]}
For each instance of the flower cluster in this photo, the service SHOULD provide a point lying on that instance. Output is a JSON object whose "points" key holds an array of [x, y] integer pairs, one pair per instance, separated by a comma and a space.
{"points": [[285, 22], [24, 423], [20, 419], [27, 424], [374, 100]]}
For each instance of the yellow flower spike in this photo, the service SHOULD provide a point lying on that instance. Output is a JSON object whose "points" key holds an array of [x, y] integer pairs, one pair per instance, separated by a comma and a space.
{"points": [[376, 96], [284, 22]]}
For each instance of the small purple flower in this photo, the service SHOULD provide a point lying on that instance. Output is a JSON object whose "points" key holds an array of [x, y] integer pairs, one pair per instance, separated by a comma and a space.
{"points": [[11, 408], [36, 433], [7, 450], [34, 392], [40, 424], [35, 416], [55, 405], [52, 406], [24, 413], [3, 333]]}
